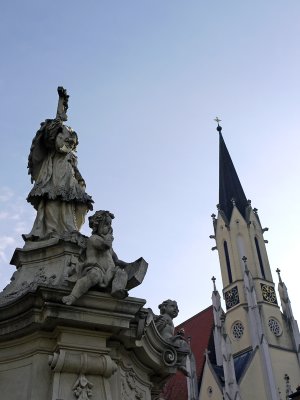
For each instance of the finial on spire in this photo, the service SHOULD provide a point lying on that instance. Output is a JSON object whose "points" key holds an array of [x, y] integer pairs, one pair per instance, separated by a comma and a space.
{"points": [[206, 353], [244, 258], [219, 128], [279, 276], [214, 283]]}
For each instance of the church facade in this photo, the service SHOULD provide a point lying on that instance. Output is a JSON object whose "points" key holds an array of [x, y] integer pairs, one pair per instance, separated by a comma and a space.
{"points": [[254, 346]]}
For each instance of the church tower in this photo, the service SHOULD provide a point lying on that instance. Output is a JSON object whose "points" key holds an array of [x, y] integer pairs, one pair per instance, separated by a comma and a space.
{"points": [[263, 341]]}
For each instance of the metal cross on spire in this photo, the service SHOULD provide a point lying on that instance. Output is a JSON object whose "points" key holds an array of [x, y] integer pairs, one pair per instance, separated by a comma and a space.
{"points": [[219, 128]]}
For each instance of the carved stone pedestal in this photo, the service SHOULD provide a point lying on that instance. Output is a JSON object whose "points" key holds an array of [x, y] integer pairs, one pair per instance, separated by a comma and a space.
{"points": [[101, 348], [40, 264]]}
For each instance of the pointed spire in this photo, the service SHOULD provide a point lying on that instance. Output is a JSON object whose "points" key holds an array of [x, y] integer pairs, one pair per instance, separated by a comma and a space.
{"points": [[288, 313], [279, 276], [231, 192], [214, 283], [218, 323]]}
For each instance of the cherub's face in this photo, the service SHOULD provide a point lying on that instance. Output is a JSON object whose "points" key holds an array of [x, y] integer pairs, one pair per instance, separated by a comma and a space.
{"points": [[172, 309], [65, 141]]}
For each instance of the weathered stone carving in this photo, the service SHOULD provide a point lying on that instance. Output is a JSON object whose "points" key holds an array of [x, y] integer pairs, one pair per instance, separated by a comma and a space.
{"points": [[130, 390], [72, 361], [83, 388], [101, 267], [170, 357], [164, 324], [103, 348], [39, 279], [58, 193]]}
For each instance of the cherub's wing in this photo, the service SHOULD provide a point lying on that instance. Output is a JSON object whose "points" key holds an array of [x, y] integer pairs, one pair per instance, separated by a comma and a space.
{"points": [[38, 153], [43, 142]]}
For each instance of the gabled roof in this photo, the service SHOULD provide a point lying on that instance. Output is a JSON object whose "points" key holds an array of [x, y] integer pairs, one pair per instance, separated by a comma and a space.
{"points": [[229, 184], [199, 329]]}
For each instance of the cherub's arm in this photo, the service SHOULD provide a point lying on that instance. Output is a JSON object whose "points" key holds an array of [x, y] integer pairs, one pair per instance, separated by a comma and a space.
{"points": [[100, 242], [160, 322]]}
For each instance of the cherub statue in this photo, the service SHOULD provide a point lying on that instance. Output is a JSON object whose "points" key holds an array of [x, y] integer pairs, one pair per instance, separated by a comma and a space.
{"points": [[164, 324], [101, 267], [58, 193]]}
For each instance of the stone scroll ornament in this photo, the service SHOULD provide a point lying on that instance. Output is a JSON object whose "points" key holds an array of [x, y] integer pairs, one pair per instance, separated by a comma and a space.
{"points": [[99, 266], [164, 324], [58, 193]]}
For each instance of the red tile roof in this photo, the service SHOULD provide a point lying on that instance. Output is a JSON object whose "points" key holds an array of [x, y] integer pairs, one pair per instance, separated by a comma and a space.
{"points": [[199, 329]]}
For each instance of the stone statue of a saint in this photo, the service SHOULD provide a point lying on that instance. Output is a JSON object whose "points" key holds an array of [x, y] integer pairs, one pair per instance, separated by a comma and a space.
{"points": [[164, 324], [100, 267], [58, 194]]}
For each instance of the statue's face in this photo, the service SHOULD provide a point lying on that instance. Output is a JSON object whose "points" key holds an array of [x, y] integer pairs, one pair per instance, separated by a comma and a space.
{"points": [[104, 226], [172, 309], [65, 141]]}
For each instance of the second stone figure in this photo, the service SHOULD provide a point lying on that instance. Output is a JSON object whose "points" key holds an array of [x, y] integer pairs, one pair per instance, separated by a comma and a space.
{"points": [[100, 267]]}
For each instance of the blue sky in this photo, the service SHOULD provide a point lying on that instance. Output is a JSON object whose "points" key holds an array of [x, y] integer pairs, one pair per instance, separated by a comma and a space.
{"points": [[146, 79]]}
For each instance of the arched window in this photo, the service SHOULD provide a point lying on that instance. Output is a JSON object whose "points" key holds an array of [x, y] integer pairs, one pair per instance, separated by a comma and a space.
{"points": [[260, 259], [227, 262], [241, 249]]}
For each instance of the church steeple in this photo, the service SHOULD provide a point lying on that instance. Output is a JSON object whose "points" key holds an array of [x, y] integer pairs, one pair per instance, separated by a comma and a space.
{"points": [[254, 323], [230, 189], [256, 345]]}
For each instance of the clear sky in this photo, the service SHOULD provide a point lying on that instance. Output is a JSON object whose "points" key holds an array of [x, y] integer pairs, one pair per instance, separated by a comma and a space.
{"points": [[146, 78]]}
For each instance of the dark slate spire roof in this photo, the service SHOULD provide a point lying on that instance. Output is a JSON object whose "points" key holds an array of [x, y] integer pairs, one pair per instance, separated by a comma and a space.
{"points": [[230, 188], [241, 363]]}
